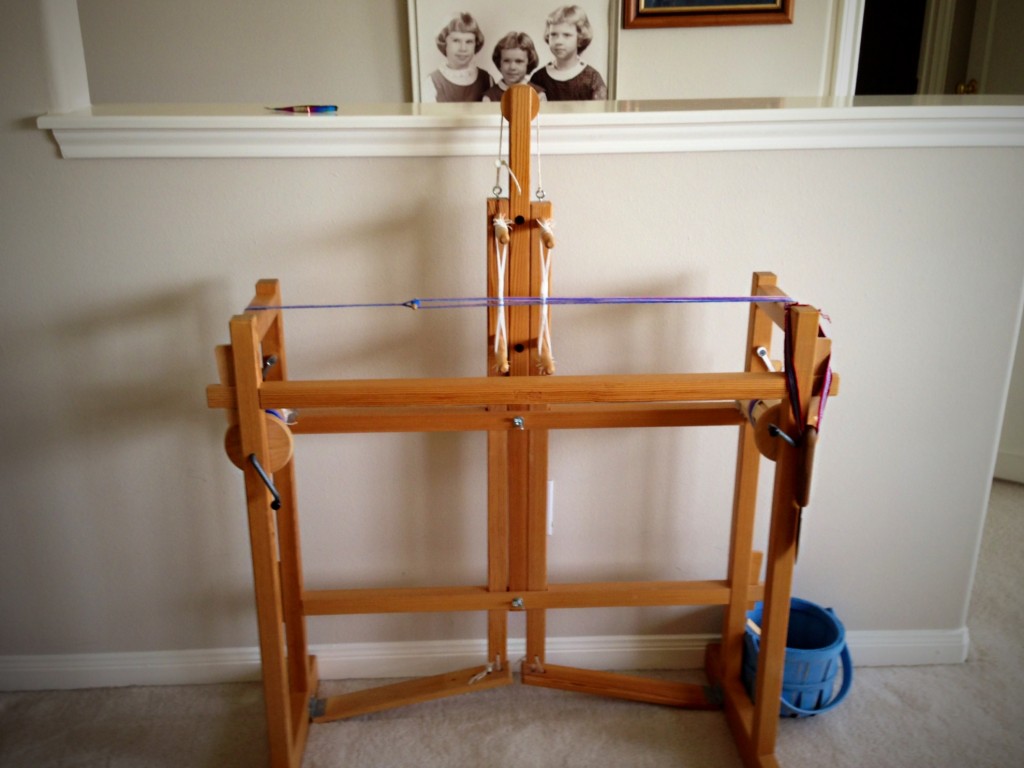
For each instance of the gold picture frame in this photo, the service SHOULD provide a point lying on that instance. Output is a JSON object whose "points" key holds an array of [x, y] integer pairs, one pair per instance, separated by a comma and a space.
{"points": [[652, 14]]}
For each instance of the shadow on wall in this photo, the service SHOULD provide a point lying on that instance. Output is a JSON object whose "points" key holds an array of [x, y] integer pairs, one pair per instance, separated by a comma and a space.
{"points": [[129, 519], [400, 254]]}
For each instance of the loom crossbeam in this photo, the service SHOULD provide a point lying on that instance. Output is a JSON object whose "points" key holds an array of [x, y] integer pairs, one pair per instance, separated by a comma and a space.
{"points": [[639, 388]]}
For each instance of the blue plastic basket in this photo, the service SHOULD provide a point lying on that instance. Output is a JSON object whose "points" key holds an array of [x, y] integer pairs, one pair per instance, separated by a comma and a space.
{"points": [[815, 648]]}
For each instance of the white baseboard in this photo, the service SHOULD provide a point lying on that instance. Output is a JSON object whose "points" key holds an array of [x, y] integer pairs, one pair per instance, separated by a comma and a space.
{"points": [[1010, 466], [411, 659]]}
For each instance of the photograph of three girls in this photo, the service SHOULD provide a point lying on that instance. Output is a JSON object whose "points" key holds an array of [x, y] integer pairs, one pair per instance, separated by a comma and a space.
{"points": [[565, 76]]}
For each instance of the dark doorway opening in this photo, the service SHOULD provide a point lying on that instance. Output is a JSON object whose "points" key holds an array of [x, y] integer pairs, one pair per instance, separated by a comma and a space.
{"points": [[890, 47]]}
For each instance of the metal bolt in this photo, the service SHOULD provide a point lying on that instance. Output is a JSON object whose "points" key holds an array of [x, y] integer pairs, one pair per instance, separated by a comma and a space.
{"points": [[518, 422], [762, 352], [517, 602]]}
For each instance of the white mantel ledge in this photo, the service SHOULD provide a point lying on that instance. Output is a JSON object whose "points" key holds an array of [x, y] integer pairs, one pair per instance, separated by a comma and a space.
{"points": [[615, 127]]}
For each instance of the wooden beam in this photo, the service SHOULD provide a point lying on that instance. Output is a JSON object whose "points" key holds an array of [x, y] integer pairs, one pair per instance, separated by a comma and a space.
{"points": [[612, 594], [480, 418], [518, 390], [412, 692], [619, 686]]}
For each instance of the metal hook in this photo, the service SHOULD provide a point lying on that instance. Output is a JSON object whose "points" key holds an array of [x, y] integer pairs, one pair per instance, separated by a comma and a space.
{"points": [[269, 362], [276, 503], [774, 431]]}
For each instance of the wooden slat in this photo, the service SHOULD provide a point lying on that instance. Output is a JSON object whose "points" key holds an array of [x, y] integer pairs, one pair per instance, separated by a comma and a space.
{"points": [[615, 594], [497, 541], [478, 418], [329, 602], [518, 495], [619, 686], [494, 419], [411, 692], [537, 540], [622, 594]]}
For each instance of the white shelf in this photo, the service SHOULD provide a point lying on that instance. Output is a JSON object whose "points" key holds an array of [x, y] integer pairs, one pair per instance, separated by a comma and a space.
{"points": [[630, 127]]}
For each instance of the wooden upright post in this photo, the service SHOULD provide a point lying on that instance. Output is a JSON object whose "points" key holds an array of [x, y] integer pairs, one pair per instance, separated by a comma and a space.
{"points": [[748, 462], [517, 457], [289, 675], [782, 541]]}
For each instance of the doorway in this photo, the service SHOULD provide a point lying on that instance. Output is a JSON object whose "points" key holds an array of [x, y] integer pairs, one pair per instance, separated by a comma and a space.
{"points": [[890, 47], [941, 47]]}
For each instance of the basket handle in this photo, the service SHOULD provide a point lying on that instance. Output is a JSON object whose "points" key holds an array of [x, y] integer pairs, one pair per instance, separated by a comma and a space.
{"points": [[843, 689]]}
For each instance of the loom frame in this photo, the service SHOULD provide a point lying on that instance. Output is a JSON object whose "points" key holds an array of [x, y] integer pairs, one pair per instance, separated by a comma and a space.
{"points": [[516, 412]]}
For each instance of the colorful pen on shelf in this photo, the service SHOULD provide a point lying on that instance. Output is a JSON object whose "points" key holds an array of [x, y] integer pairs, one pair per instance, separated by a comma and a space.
{"points": [[308, 109]]}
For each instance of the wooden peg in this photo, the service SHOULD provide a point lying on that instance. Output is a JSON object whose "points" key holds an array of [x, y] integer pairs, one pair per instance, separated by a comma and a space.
{"points": [[547, 235], [518, 96], [502, 356], [546, 363], [501, 229]]}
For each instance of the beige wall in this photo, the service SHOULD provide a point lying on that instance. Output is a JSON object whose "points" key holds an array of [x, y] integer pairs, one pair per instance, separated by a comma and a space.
{"points": [[315, 51], [123, 525], [731, 62]]}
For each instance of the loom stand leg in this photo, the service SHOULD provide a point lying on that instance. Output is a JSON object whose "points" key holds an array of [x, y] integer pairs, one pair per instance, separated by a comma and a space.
{"points": [[289, 674], [755, 724]]}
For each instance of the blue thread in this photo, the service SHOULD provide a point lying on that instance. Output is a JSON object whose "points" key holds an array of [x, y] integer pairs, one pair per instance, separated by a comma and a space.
{"points": [[527, 301]]}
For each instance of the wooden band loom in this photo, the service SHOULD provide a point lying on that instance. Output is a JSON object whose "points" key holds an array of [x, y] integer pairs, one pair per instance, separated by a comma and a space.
{"points": [[517, 411]]}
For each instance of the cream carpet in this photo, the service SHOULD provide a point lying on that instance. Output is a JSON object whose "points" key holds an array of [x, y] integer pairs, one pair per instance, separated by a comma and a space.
{"points": [[949, 716]]}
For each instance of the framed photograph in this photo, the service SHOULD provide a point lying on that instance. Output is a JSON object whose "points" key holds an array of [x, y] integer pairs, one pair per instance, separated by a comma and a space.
{"points": [[646, 14], [469, 50]]}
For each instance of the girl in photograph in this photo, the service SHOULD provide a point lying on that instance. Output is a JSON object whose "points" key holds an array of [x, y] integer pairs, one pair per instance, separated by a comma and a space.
{"points": [[515, 57], [569, 78], [458, 79]]}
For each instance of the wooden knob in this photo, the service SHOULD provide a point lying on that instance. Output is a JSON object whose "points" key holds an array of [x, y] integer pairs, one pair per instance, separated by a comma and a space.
{"points": [[279, 437], [765, 418], [522, 95]]}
